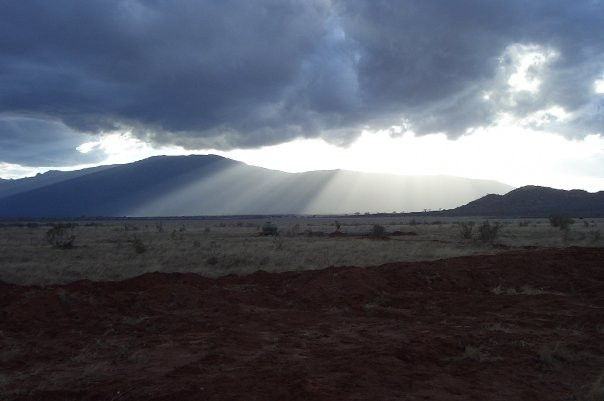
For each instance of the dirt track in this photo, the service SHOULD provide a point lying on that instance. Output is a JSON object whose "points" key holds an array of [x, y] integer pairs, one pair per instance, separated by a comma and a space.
{"points": [[405, 331]]}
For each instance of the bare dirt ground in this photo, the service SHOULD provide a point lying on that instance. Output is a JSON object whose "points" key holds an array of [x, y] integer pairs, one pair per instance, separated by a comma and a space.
{"points": [[519, 325]]}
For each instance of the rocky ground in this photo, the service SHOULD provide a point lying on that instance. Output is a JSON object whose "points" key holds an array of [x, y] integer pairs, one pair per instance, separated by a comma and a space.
{"points": [[522, 325]]}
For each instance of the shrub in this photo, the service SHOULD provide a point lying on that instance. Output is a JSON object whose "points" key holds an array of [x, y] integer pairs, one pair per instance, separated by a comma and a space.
{"points": [[377, 230], [338, 226], [269, 229], [562, 222], [137, 245], [61, 236], [487, 232], [465, 230], [213, 254]]}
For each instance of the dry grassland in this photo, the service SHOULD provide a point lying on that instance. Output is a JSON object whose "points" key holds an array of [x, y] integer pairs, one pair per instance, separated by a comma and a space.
{"points": [[107, 250]]}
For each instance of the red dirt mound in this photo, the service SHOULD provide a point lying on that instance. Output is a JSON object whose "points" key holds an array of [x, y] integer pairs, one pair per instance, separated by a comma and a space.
{"points": [[515, 326]]}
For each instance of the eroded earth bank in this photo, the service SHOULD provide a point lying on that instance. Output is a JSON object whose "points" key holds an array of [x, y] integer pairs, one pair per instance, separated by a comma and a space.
{"points": [[515, 326]]}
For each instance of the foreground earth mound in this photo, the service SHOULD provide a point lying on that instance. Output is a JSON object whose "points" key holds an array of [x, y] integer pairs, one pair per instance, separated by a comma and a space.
{"points": [[514, 326]]}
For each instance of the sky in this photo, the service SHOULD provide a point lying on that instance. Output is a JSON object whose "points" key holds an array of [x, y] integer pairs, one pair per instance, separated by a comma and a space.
{"points": [[511, 91]]}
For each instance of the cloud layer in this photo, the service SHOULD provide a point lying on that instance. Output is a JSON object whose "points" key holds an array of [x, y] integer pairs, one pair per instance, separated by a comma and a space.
{"points": [[34, 142], [235, 73]]}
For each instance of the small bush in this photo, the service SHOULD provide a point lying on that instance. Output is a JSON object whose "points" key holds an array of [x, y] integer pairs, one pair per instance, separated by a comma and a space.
{"points": [[465, 230], [269, 229], [338, 226], [137, 244], [488, 232], [378, 230], [562, 222], [61, 236]]}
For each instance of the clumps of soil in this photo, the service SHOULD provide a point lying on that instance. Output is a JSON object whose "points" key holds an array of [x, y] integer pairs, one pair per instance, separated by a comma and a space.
{"points": [[413, 331]]}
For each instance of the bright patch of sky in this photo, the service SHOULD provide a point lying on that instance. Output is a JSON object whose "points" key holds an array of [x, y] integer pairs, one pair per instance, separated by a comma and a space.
{"points": [[506, 153]]}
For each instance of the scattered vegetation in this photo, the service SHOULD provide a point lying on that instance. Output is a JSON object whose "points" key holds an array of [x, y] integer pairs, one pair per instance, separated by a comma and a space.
{"points": [[105, 250]]}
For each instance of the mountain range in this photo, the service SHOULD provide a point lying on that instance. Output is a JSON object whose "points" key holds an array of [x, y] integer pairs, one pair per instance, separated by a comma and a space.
{"points": [[213, 185]]}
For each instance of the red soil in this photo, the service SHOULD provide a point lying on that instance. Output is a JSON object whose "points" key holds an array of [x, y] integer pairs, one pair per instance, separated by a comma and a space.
{"points": [[404, 331]]}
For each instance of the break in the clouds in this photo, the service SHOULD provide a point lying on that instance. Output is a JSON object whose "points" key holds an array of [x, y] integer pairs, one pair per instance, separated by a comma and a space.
{"points": [[239, 74]]}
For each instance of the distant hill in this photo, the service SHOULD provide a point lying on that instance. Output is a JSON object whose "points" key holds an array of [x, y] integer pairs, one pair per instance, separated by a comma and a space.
{"points": [[213, 185], [534, 201], [11, 187]]}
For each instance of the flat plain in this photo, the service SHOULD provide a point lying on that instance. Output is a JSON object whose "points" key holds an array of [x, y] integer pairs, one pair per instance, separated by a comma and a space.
{"points": [[111, 250]]}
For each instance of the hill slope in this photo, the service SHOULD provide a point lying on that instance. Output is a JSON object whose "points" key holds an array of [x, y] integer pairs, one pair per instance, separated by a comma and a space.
{"points": [[213, 185], [534, 201]]}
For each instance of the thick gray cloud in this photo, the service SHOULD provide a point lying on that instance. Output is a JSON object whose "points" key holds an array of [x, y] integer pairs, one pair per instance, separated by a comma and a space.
{"points": [[32, 142], [236, 73]]}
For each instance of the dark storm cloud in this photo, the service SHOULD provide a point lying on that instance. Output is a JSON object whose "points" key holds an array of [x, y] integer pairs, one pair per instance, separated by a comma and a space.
{"points": [[31, 142], [236, 73], [434, 60]]}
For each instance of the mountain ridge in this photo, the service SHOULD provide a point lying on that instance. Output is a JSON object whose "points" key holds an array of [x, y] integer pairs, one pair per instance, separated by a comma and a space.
{"points": [[198, 185], [535, 201]]}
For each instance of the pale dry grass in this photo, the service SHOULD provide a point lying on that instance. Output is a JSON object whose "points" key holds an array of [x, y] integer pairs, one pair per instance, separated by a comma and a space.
{"points": [[218, 247]]}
